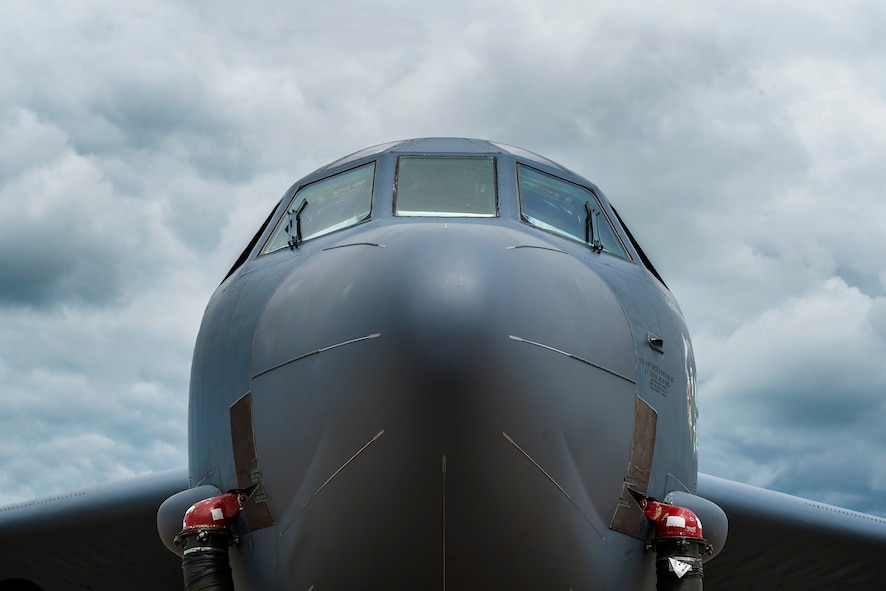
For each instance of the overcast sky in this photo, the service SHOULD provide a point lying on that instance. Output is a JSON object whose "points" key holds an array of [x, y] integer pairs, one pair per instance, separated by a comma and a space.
{"points": [[141, 145]]}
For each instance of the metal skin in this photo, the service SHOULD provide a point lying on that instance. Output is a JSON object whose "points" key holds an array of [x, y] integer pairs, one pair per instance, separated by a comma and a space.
{"points": [[441, 403]]}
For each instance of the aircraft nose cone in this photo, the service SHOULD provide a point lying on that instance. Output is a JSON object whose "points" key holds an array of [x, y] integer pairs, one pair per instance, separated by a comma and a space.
{"points": [[452, 399]]}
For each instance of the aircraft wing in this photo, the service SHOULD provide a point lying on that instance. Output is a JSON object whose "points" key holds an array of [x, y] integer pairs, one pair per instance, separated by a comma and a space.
{"points": [[785, 543], [102, 538]]}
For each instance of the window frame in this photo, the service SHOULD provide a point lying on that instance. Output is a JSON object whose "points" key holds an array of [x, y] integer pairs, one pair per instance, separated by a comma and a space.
{"points": [[431, 214], [624, 252], [278, 227]]}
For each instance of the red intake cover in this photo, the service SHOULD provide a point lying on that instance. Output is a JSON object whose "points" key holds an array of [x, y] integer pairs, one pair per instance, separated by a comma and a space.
{"points": [[671, 521], [214, 513]]}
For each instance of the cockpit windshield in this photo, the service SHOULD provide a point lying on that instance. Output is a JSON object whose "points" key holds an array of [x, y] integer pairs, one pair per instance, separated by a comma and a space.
{"points": [[565, 208], [325, 206], [445, 187]]}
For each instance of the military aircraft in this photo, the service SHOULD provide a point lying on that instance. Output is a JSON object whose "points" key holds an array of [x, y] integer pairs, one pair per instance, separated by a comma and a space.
{"points": [[440, 364]]}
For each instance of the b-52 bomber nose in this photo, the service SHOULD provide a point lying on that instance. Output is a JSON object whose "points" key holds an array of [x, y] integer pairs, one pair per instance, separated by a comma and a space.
{"points": [[442, 403]]}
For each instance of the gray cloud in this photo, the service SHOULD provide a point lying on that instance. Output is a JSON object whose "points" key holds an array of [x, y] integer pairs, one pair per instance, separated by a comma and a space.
{"points": [[141, 148]]}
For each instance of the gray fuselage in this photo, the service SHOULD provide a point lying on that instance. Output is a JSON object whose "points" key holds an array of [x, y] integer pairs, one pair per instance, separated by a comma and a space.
{"points": [[433, 400]]}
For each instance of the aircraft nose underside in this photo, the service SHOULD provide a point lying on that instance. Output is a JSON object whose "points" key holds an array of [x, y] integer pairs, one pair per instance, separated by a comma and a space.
{"points": [[442, 436]]}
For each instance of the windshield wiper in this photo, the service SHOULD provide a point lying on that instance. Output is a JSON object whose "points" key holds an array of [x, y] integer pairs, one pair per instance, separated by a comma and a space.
{"points": [[294, 227], [592, 227]]}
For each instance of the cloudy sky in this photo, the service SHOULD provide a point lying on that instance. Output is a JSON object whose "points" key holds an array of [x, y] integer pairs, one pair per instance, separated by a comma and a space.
{"points": [[140, 148]]}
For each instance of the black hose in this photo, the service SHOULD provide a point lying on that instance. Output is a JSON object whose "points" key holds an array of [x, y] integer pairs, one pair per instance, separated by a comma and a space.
{"points": [[205, 565], [686, 554]]}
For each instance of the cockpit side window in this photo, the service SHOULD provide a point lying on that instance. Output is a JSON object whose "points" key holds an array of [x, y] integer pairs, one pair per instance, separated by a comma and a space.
{"points": [[445, 187], [556, 205], [324, 206]]}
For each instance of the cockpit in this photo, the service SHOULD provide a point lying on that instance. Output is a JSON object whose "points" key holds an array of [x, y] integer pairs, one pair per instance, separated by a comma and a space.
{"points": [[445, 186]]}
